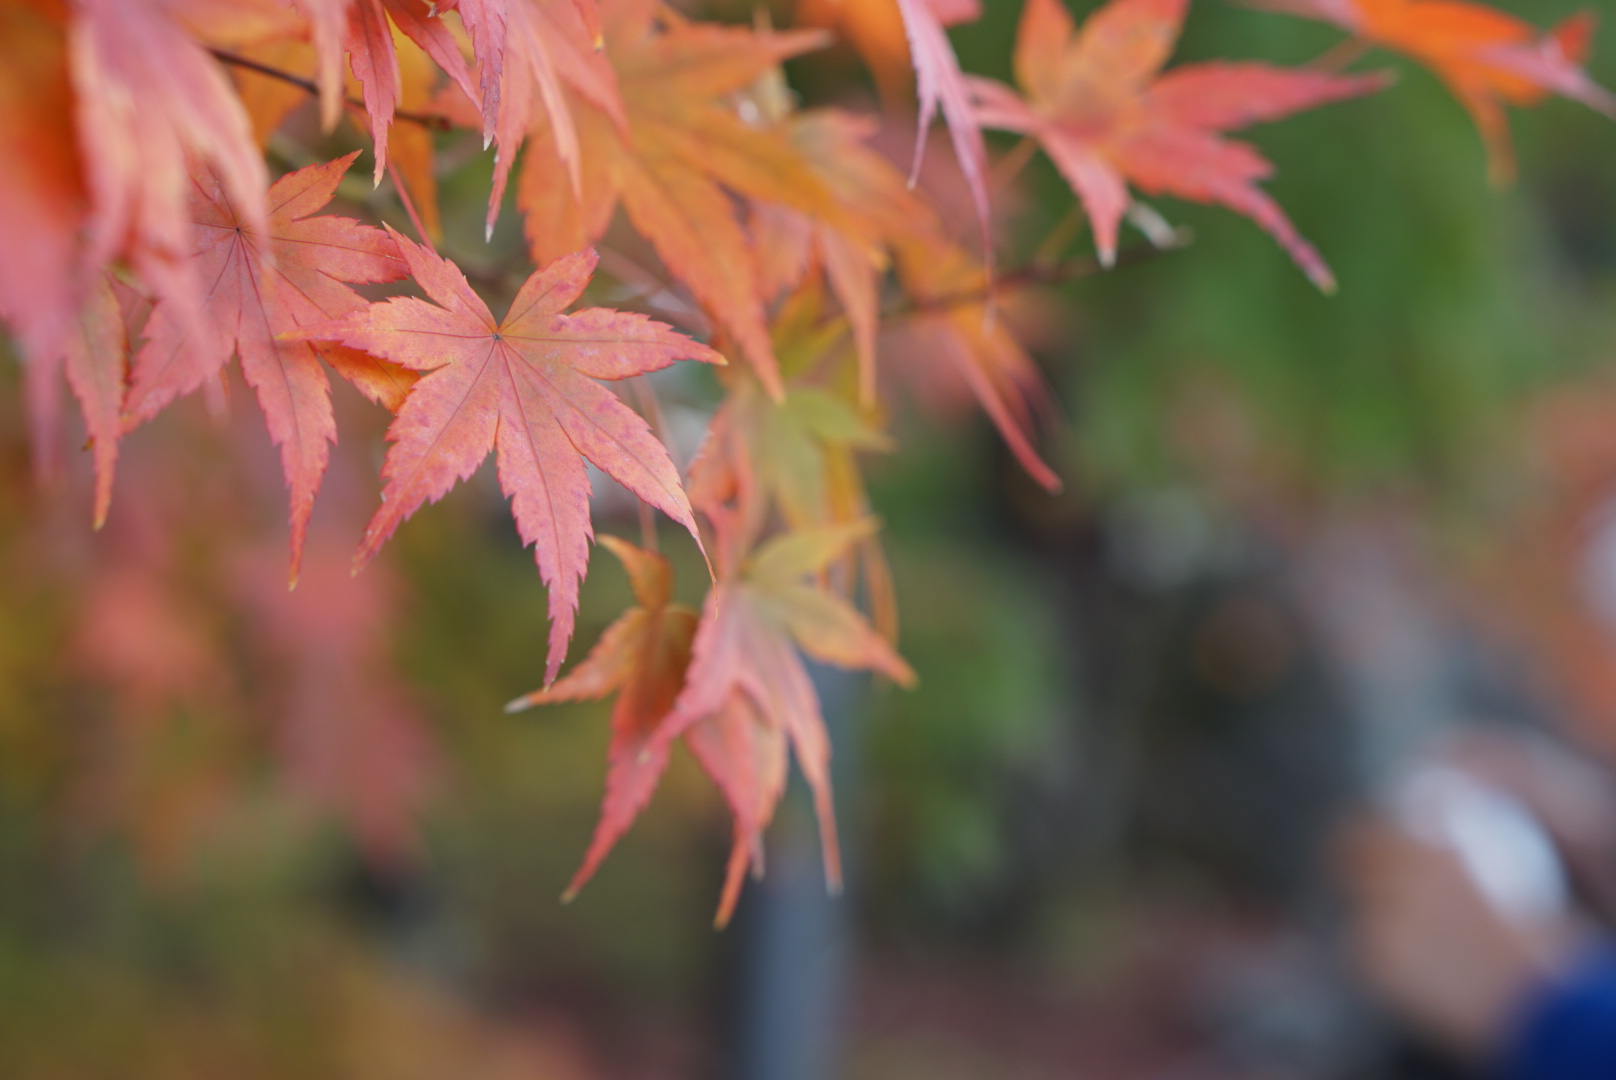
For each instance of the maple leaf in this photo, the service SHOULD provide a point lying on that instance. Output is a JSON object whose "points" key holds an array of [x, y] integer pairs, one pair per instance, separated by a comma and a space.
{"points": [[43, 200], [485, 22], [524, 385], [375, 61], [798, 456], [642, 658], [904, 43], [941, 86], [685, 153], [1485, 56], [1104, 117], [262, 290], [747, 693], [853, 253], [148, 95], [549, 46], [364, 29], [549, 42], [94, 358], [951, 324], [875, 28]]}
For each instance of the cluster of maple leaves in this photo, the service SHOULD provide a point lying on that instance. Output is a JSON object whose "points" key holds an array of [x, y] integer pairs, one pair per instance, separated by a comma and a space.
{"points": [[158, 250]]}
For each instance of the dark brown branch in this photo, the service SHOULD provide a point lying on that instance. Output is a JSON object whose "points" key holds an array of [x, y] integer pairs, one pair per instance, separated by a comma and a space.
{"points": [[1038, 273], [426, 120]]}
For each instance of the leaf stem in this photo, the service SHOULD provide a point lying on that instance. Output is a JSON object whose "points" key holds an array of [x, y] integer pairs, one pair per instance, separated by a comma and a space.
{"points": [[225, 56], [1035, 273]]}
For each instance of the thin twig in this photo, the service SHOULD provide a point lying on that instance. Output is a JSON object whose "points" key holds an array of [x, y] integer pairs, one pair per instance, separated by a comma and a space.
{"points": [[1035, 274], [224, 56]]}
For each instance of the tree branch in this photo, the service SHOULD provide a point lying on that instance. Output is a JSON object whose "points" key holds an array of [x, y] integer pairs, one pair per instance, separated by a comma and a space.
{"points": [[224, 56], [1036, 273]]}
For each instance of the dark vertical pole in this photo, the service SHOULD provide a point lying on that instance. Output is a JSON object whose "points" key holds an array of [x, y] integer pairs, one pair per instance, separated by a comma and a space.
{"points": [[793, 961]]}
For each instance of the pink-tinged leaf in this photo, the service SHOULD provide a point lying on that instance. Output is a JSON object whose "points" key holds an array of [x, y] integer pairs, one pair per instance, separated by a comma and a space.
{"points": [[548, 50], [747, 693], [1203, 168], [1229, 96], [952, 329], [485, 21], [642, 658], [149, 95], [941, 86], [260, 292], [95, 359], [677, 157], [1485, 56], [328, 27], [375, 65], [1123, 44], [521, 387], [98, 371], [1097, 105], [747, 757], [368, 35]]}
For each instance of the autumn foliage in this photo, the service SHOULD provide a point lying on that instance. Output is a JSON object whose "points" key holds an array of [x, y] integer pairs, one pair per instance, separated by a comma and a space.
{"points": [[801, 261]]}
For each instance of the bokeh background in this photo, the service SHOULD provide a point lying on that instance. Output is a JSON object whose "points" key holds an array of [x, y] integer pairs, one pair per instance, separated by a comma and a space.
{"points": [[260, 835]]}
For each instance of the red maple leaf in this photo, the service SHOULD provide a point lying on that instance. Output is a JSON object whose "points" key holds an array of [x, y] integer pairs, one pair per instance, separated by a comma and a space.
{"points": [[1096, 104], [550, 46], [1486, 56], [95, 362], [642, 658], [941, 86], [747, 694], [147, 96], [371, 51], [683, 155], [524, 385], [261, 291]]}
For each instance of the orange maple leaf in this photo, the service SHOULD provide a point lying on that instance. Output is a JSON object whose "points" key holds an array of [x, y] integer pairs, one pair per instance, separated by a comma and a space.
{"points": [[1102, 114], [685, 153], [951, 325], [260, 291], [642, 658], [853, 253], [1486, 56], [43, 198], [905, 45], [524, 385], [747, 693]]}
